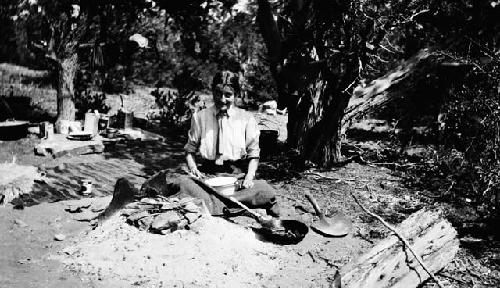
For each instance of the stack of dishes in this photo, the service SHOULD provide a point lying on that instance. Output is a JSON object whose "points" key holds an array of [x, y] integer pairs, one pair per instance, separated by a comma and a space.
{"points": [[80, 136]]}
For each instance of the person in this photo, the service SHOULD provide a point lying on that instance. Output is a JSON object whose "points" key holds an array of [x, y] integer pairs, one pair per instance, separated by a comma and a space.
{"points": [[227, 140], [224, 134]]}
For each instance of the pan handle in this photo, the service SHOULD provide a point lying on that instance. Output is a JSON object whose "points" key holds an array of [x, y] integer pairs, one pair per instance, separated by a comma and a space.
{"points": [[314, 204]]}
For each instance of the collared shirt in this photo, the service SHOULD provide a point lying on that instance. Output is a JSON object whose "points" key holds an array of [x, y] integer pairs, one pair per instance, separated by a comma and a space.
{"points": [[240, 138]]}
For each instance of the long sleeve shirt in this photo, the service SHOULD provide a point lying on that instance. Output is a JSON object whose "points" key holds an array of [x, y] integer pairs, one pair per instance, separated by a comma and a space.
{"points": [[240, 137]]}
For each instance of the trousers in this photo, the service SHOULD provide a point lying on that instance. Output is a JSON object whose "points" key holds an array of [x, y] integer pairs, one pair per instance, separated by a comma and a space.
{"points": [[261, 195]]}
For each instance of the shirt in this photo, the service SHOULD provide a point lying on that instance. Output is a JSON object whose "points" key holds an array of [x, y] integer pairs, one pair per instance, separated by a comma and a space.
{"points": [[240, 138]]}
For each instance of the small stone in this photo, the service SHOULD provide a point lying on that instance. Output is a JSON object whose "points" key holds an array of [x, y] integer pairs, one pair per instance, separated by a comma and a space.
{"points": [[192, 217], [69, 250], [145, 222], [182, 224], [136, 216], [191, 207], [20, 223], [165, 220], [60, 168], [59, 237], [165, 231], [149, 201]]}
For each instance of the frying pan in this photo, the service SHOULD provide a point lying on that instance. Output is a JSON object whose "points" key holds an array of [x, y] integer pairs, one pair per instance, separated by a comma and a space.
{"points": [[273, 230]]}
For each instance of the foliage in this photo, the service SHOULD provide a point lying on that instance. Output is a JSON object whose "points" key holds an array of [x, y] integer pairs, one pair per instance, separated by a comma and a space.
{"points": [[319, 51], [465, 168], [88, 101], [175, 109]]}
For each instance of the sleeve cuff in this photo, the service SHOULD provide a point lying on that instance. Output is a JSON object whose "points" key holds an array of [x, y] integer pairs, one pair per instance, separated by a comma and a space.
{"points": [[190, 148]]}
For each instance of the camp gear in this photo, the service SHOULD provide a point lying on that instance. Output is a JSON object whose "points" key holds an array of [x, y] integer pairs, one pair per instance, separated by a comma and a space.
{"points": [[224, 185], [80, 136], [275, 230], [339, 227]]}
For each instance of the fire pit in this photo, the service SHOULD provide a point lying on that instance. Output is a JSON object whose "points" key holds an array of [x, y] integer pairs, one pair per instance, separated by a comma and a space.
{"points": [[13, 129]]}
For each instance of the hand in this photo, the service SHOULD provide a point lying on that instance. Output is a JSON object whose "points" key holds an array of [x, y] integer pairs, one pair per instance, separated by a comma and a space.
{"points": [[196, 173], [247, 183]]}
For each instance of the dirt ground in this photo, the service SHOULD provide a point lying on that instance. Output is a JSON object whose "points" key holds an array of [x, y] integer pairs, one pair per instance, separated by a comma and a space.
{"points": [[218, 253]]}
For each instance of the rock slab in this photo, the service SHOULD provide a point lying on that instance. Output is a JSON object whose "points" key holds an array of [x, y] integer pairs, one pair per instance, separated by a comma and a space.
{"points": [[58, 145]]}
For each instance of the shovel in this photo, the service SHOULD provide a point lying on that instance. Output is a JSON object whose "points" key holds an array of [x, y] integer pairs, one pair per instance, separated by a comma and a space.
{"points": [[337, 226]]}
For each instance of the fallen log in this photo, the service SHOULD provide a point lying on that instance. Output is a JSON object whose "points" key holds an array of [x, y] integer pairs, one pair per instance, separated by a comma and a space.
{"points": [[391, 263]]}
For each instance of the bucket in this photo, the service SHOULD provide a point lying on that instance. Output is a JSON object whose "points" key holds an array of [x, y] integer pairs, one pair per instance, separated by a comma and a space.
{"points": [[224, 185], [91, 124]]}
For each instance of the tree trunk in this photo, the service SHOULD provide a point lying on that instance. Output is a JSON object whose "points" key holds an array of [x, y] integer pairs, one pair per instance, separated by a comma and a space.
{"points": [[65, 89], [323, 141], [391, 264], [310, 92]]}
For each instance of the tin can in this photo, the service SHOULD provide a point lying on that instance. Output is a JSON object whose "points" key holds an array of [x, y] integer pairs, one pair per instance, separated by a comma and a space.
{"points": [[46, 130], [86, 187], [49, 131]]}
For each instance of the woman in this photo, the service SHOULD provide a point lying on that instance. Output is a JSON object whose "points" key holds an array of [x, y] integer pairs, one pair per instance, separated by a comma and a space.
{"points": [[227, 139]]}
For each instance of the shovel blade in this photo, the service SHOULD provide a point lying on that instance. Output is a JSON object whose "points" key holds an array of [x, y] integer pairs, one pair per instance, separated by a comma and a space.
{"points": [[335, 227]]}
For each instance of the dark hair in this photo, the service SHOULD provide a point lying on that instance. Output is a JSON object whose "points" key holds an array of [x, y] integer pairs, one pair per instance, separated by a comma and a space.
{"points": [[226, 78]]}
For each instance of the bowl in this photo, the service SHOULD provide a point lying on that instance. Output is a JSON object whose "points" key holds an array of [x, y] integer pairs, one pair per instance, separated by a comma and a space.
{"points": [[224, 185]]}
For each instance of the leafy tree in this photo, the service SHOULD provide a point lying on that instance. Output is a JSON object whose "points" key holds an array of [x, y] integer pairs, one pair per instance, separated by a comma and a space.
{"points": [[318, 50], [59, 30]]}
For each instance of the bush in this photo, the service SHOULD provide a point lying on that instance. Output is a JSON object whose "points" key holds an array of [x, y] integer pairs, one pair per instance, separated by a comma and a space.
{"points": [[86, 101], [472, 127], [466, 167], [175, 108]]}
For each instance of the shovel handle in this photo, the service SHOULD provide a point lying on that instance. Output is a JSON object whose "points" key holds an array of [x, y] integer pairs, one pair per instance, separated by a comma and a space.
{"points": [[314, 204], [230, 198], [255, 214]]}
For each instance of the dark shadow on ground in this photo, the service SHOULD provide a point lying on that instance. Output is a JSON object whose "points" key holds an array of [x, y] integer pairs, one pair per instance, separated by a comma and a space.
{"points": [[133, 160], [154, 155]]}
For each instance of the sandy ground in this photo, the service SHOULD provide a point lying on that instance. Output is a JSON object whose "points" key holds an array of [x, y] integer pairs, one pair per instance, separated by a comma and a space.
{"points": [[215, 253]]}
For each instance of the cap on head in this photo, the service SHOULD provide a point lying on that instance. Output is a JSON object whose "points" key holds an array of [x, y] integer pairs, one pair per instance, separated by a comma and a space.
{"points": [[224, 79]]}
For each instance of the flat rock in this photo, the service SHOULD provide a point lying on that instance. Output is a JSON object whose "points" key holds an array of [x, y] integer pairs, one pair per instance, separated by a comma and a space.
{"points": [[165, 220], [59, 145], [59, 237], [85, 216], [192, 217], [15, 180], [20, 223]]}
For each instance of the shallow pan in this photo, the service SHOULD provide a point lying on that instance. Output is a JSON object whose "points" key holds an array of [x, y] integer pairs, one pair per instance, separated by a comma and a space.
{"points": [[292, 233]]}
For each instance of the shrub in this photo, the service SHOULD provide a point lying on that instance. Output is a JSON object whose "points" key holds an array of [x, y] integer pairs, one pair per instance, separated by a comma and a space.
{"points": [[466, 165], [89, 101], [175, 108]]}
